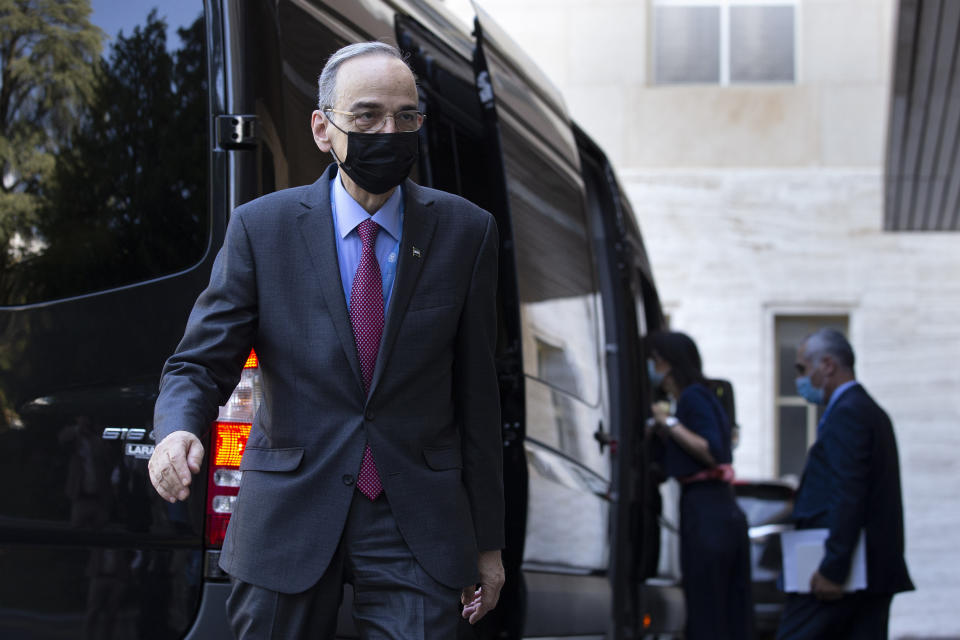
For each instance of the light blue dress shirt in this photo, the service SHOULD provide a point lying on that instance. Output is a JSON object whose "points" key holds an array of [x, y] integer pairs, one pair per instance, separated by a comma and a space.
{"points": [[347, 214]]}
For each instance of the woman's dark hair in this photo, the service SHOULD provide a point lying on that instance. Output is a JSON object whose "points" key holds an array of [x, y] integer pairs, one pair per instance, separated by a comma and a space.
{"points": [[680, 351]]}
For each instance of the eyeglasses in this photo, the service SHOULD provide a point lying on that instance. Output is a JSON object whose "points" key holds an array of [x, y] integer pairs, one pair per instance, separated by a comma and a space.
{"points": [[373, 120], [803, 369]]}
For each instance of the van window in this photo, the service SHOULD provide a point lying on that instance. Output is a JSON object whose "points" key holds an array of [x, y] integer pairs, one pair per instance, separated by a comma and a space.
{"points": [[287, 45], [555, 272], [105, 144]]}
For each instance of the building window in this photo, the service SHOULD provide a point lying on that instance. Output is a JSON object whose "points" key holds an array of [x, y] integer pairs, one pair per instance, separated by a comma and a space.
{"points": [[724, 41], [796, 418]]}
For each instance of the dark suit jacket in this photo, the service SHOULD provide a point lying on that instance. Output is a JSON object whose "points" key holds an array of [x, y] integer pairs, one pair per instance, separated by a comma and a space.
{"points": [[852, 482], [432, 416]]}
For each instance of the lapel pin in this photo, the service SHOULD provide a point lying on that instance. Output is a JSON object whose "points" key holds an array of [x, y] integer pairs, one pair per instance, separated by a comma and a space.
{"points": [[416, 253]]}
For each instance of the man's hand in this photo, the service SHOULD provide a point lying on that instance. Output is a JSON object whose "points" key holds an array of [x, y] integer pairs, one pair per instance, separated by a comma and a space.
{"points": [[174, 461], [478, 601], [825, 589]]}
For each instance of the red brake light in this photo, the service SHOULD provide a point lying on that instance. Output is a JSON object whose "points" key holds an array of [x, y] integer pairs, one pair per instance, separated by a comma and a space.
{"points": [[228, 440], [231, 439]]}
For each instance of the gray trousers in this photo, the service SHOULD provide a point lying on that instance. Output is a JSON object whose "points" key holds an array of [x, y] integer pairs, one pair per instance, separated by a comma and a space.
{"points": [[394, 598]]}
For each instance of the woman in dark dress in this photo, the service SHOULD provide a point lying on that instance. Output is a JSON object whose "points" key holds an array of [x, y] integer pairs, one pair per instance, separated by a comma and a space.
{"points": [[714, 547]]}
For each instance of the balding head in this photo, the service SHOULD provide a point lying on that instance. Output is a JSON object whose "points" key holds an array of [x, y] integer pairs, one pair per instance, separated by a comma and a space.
{"points": [[826, 358], [327, 82], [829, 342]]}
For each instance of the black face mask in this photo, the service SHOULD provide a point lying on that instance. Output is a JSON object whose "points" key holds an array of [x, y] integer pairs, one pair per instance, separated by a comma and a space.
{"points": [[378, 162]]}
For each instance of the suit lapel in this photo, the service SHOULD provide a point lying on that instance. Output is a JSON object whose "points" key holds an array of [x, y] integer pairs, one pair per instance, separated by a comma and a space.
{"points": [[316, 226], [419, 222], [823, 425]]}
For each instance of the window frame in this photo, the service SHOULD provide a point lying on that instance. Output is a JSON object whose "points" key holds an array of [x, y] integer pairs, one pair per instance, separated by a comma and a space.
{"points": [[814, 319], [724, 55]]}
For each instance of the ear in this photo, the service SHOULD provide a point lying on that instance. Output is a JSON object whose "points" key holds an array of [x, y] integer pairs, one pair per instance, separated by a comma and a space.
{"points": [[829, 365], [318, 123]]}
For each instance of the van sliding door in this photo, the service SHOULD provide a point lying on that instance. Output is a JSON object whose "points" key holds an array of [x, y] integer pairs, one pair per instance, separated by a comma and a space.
{"points": [[566, 547], [631, 308], [458, 155]]}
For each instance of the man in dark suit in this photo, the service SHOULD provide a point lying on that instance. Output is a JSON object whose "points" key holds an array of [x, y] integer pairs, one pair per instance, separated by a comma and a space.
{"points": [[851, 483], [375, 458]]}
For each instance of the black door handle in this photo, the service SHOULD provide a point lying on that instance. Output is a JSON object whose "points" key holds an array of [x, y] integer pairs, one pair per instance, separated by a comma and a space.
{"points": [[604, 439]]}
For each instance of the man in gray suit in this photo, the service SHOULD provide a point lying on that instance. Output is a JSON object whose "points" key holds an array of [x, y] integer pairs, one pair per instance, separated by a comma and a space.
{"points": [[375, 458]]}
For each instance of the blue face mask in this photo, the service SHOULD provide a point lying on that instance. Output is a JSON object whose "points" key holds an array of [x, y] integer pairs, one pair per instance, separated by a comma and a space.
{"points": [[655, 377], [808, 392]]}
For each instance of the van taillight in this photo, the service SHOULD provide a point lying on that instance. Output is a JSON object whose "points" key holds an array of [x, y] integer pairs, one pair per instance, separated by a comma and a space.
{"points": [[228, 439]]}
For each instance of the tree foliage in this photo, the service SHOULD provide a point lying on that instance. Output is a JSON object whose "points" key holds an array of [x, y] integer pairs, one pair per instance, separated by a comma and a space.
{"points": [[48, 49], [125, 200]]}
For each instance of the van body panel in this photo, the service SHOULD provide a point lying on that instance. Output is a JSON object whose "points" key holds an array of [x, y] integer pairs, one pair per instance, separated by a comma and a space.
{"points": [[576, 294], [86, 547]]}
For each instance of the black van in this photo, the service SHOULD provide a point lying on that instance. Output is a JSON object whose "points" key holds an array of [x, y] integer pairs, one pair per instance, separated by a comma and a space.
{"points": [[112, 211]]}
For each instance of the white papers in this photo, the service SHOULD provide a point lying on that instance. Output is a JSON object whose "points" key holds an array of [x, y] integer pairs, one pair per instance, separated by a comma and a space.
{"points": [[803, 550]]}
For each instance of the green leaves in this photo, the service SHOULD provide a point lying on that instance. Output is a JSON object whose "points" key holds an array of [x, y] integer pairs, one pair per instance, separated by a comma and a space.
{"points": [[104, 159], [48, 49]]}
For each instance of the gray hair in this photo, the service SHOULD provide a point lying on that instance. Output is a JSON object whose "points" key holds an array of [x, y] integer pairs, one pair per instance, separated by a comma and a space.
{"points": [[327, 82], [829, 342]]}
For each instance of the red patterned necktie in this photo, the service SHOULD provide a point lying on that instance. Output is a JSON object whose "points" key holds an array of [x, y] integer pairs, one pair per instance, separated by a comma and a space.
{"points": [[366, 315]]}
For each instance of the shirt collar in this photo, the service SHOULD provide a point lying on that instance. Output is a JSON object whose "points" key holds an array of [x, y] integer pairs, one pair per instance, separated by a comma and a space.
{"points": [[350, 213], [839, 391]]}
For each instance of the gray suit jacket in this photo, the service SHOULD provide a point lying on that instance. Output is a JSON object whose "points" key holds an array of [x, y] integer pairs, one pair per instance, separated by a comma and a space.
{"points": [[432, 417]]}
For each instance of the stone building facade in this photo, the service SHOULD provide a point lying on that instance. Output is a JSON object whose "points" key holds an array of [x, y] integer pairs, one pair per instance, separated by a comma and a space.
{"points": [[760, 193]]}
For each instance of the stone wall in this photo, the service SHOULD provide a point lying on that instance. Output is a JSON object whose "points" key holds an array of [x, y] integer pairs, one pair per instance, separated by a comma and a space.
{"points": [[733, 249]]}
